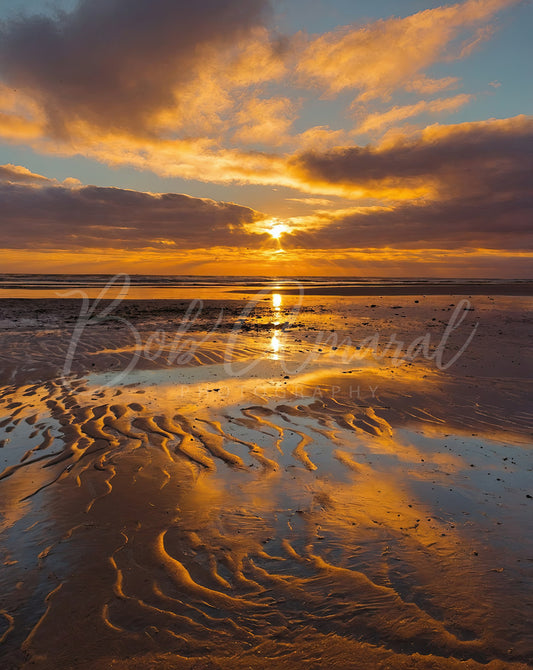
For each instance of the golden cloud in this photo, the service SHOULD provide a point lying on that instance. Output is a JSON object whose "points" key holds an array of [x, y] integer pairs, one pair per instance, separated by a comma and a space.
{"points": [[189, 75], [377, 120], [265, 121], [379, 58]]}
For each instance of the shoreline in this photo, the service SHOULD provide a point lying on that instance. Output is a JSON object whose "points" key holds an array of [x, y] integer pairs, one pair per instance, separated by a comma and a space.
{"points": [[131, 290]]}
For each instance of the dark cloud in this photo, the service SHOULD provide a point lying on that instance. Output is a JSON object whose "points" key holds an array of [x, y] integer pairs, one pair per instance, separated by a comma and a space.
{"points": [[57, 217], [113, 62], [453, 224], [481, 175], [471, 157]]}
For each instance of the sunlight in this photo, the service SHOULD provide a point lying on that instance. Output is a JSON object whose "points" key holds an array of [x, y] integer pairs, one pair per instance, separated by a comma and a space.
{"points": [[275, 345], [277, 231], [276, 301]]}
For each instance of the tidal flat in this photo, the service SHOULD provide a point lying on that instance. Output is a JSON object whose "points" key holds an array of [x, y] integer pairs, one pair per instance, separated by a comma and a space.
{"points": [[335, 481]]}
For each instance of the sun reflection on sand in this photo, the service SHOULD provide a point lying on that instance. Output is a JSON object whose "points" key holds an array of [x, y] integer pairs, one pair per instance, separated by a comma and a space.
{"points": [[275, 345]]}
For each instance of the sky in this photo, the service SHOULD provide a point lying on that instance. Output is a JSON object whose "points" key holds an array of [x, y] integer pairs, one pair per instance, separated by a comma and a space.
{"points": [[257, 137]]}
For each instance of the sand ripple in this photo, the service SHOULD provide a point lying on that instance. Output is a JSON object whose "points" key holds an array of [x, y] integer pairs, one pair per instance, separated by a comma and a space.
{"points": [[265, 520]]}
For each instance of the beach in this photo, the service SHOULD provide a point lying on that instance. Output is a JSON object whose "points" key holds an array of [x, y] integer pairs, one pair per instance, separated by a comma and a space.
{"points": [[266, 475]]}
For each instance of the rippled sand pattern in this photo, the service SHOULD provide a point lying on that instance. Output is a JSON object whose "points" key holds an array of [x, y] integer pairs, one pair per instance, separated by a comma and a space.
{"points": [[345, 516]]}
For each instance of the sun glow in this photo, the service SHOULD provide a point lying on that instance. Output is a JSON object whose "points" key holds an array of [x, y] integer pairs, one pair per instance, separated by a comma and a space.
{"points": [[277, 231]]}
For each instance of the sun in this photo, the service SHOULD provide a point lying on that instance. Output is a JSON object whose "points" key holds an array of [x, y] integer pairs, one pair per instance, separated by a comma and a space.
{"points": [[277, 231]]}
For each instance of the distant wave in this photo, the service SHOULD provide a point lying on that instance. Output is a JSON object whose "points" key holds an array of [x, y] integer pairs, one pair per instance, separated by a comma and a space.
{"points": [[72, 281]]}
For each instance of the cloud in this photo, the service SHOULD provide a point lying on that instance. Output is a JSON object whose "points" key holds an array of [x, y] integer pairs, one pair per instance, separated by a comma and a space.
{"points": [[18, 174], [468, 223], [190, 90], [15, 128], [20, 116], [378, 58], [313, 202], [38, 213], [161, 69], [320, 137], [428, 86], [172, 87], [477, 178], [200, 158], [377, 120], [116, 63], [486, 158], [265, 121]]}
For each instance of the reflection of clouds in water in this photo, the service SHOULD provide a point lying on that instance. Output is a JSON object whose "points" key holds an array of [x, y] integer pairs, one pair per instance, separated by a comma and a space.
{"points": [[328, 489], [229, 541]]}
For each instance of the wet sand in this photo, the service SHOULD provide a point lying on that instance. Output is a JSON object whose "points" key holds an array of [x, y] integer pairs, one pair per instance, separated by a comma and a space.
{"points": [[322, 487]]}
